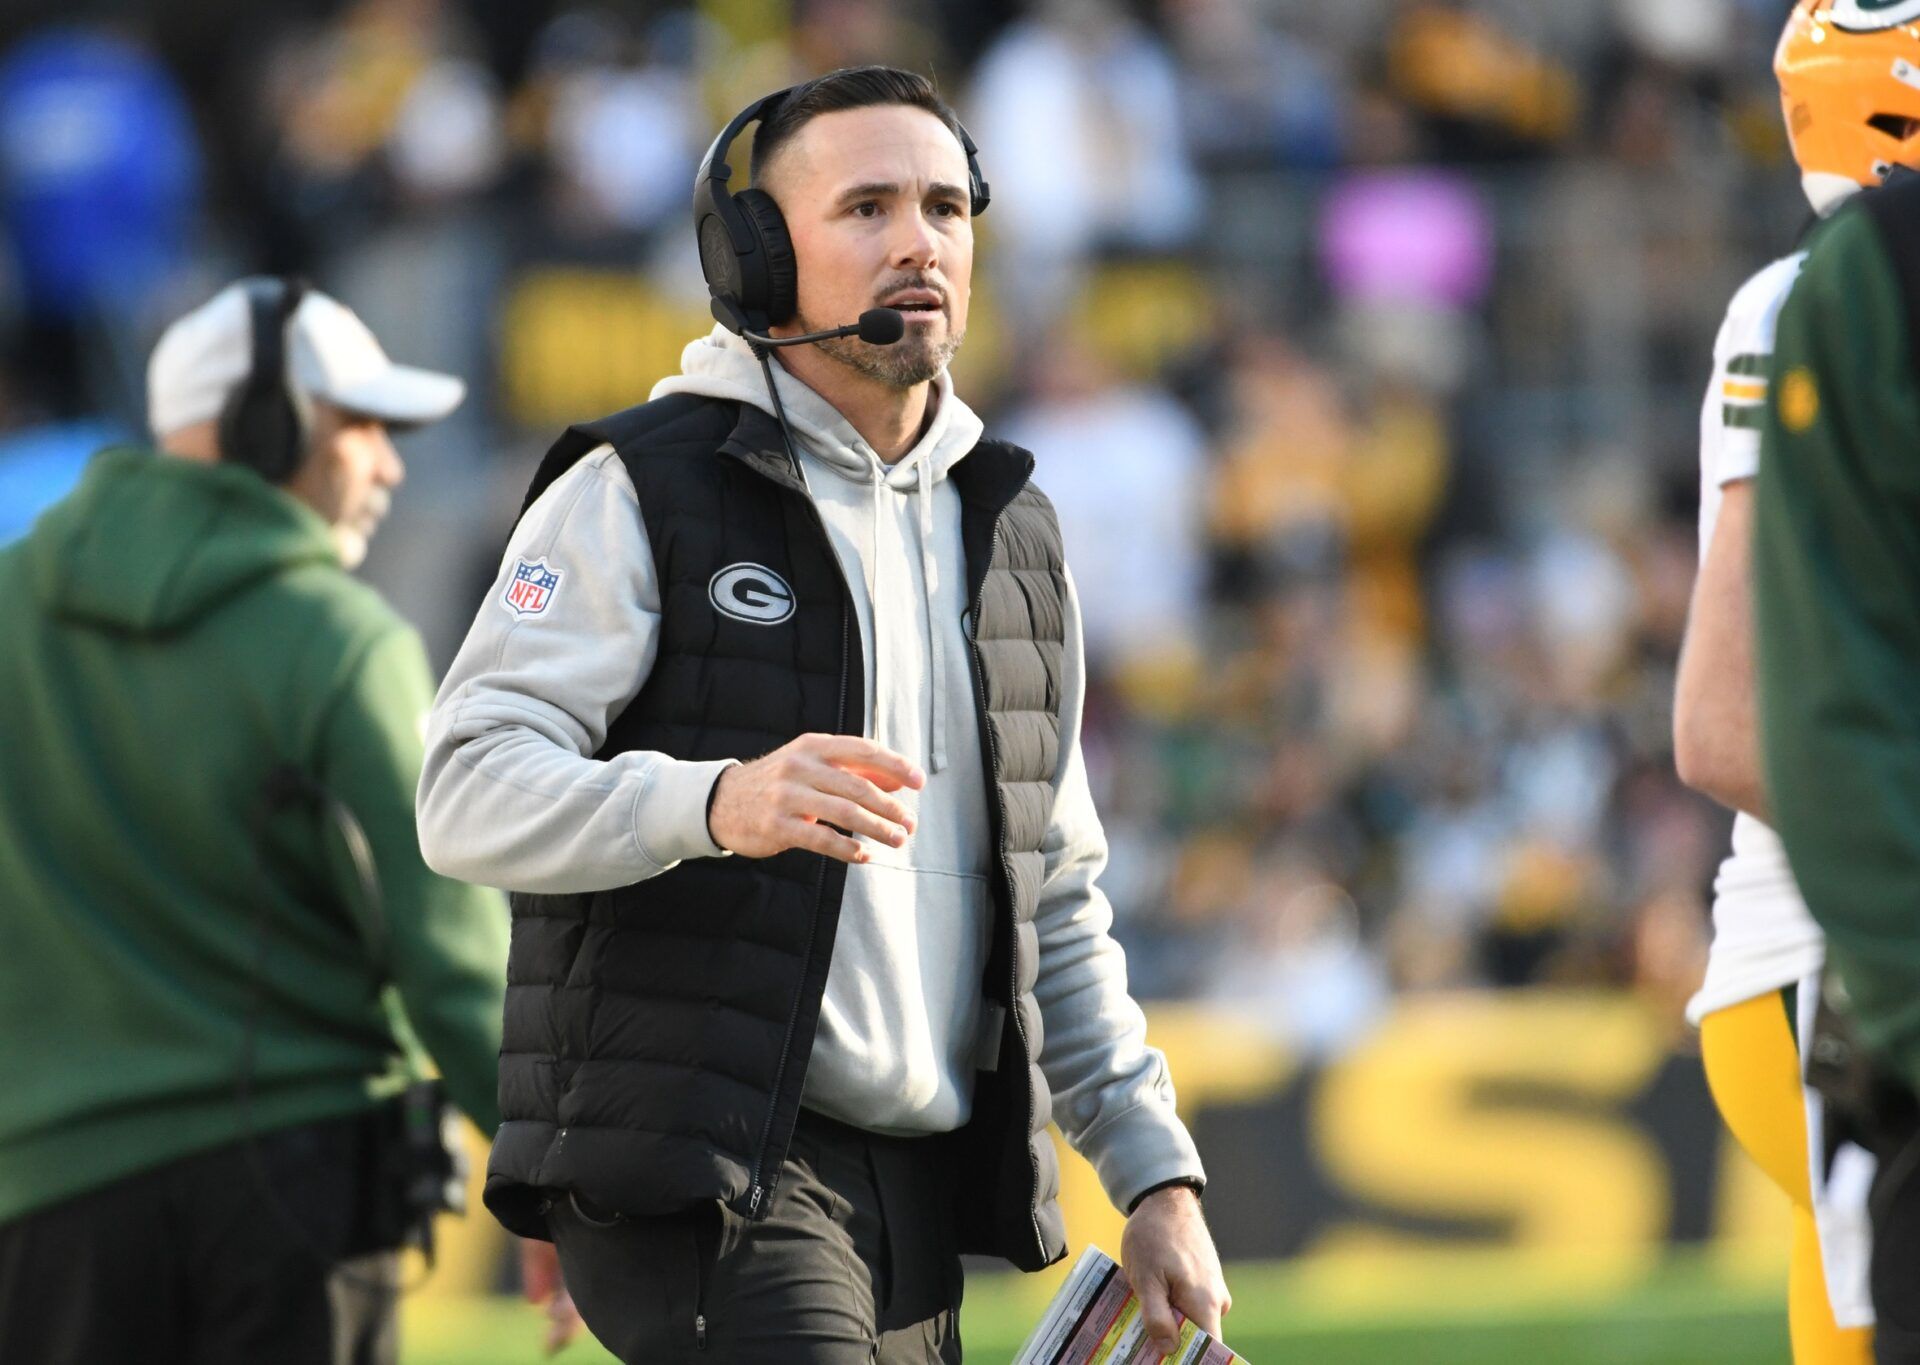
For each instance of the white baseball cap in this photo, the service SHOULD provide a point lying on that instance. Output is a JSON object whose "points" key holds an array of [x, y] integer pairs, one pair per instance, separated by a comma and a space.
{"points": [[332, 357]]}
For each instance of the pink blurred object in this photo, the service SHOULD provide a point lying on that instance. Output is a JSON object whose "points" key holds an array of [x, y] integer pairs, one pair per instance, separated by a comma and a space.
{"points": [[1417, 236]]}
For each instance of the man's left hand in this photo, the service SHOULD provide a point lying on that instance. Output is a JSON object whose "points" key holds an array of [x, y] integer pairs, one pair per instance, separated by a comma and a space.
{"points": [[541, 1282], [1169, 1258]]}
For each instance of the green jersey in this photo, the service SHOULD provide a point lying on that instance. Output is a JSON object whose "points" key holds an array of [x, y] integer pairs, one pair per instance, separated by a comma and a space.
{"points": [[1837, 604]]}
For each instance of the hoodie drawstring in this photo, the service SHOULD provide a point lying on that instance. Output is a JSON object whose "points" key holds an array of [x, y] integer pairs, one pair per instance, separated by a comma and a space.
{"points": [[882, 717], [930, 575]]}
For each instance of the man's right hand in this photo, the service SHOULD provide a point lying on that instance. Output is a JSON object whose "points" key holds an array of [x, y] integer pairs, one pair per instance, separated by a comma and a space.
{"points": [[790, 797]]}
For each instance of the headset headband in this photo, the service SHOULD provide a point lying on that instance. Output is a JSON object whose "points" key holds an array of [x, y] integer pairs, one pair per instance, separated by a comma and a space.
{"points": [[265, 421], [271, 303], [716, 172]]}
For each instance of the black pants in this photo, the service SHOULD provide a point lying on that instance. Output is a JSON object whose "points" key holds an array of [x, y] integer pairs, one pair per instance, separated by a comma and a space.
{"points": [[1895, 1274], [187, 1264], [857, 1262]]}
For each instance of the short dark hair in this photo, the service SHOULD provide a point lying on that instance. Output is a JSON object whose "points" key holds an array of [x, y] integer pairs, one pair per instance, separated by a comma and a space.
{"points": [[853, 87]]}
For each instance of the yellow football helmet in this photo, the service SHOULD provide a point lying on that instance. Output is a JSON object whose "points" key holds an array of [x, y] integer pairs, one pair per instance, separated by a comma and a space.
{"points": [[1849, 73]]}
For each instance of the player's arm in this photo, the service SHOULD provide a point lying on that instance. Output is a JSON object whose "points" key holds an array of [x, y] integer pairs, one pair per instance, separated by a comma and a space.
{"points": [[442, 943], [1837, 609], [1716, 738]]}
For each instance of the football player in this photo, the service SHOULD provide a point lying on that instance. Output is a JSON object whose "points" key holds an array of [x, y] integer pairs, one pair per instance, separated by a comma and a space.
{"points": [[1849, 74]]}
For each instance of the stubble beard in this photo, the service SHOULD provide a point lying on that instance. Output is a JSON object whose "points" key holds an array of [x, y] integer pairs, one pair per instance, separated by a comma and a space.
{"points": [[914, 359]]}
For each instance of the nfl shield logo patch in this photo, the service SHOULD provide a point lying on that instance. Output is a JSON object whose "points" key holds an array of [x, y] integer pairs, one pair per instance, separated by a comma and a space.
{"points": [[532, 588]]}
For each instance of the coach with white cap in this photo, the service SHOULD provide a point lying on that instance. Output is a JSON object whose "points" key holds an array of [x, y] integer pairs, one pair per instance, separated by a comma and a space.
{"points": [[320, 416], [223, 956]]}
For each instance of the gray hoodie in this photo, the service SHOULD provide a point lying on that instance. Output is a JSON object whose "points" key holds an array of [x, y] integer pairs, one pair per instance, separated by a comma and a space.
{"points": [[510, 795]]}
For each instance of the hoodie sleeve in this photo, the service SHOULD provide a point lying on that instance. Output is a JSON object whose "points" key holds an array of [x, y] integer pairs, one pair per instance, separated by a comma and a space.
{"points": [[1112, 1094], [510, 795], [444, 943]]}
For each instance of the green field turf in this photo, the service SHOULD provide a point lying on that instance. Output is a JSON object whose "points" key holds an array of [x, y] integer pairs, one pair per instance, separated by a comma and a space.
{"points": [[1680, 1314]]}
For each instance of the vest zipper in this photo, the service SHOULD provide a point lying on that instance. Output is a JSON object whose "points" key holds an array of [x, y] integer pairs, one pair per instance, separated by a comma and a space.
{"points": [[702, 1280], [1006, 878], [761, 1183]]}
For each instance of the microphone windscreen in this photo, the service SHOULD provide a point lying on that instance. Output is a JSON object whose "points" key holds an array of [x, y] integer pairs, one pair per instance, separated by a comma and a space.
{"points": [[882, 326]]}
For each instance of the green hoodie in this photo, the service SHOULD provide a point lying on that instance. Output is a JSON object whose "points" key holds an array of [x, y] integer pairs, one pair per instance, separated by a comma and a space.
{"points": [[176, 632]]}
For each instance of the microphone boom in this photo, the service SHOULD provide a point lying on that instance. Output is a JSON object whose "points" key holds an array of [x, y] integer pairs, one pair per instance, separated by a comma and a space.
{"points": [[877, 327]]}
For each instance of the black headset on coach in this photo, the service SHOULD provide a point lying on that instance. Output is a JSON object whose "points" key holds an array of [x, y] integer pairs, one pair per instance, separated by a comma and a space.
{"points": [[746, 254], [267, 422]]}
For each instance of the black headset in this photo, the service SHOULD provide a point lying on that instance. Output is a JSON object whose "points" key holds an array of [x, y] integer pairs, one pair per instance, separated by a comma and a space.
{"points": [[267, 422], [745, 251]]}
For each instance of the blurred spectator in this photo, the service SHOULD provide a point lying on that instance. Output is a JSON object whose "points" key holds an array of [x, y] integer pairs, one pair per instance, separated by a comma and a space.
{"points": [[381, 112], [1126, 468], [829, 34], [1297, 964], [1252, 92], [1481, 89], [1408, 255], [622, 132], [1276, 499], [1697, 35], [1081, 106], [101, 172], [99, 189], [446, 137]]}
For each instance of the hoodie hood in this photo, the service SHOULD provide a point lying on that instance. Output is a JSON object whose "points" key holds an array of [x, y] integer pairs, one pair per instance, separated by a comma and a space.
{"points": [[722, 365], [150, 543]]}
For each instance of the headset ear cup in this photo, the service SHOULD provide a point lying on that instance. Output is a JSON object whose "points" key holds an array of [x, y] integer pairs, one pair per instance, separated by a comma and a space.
{"points": [[782, 273], [267, 422], [233, 427], [296, 412], [717, 259], [263, 426]]}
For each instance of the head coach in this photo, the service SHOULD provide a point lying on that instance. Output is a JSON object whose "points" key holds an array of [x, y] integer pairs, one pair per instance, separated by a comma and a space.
{"points": [[772, 727], [210, 887]]}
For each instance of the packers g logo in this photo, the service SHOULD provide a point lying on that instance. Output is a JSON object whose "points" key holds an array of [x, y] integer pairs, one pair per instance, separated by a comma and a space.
{"points": [[1799, 401], [1865, 16], [752, 593]]}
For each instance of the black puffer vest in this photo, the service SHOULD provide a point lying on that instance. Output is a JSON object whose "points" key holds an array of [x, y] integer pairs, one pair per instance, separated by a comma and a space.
{"points": [[657, 1035]]}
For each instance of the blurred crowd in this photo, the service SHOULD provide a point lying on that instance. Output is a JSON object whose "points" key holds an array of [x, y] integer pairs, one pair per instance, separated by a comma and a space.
{"points": [[1361, 347]]}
